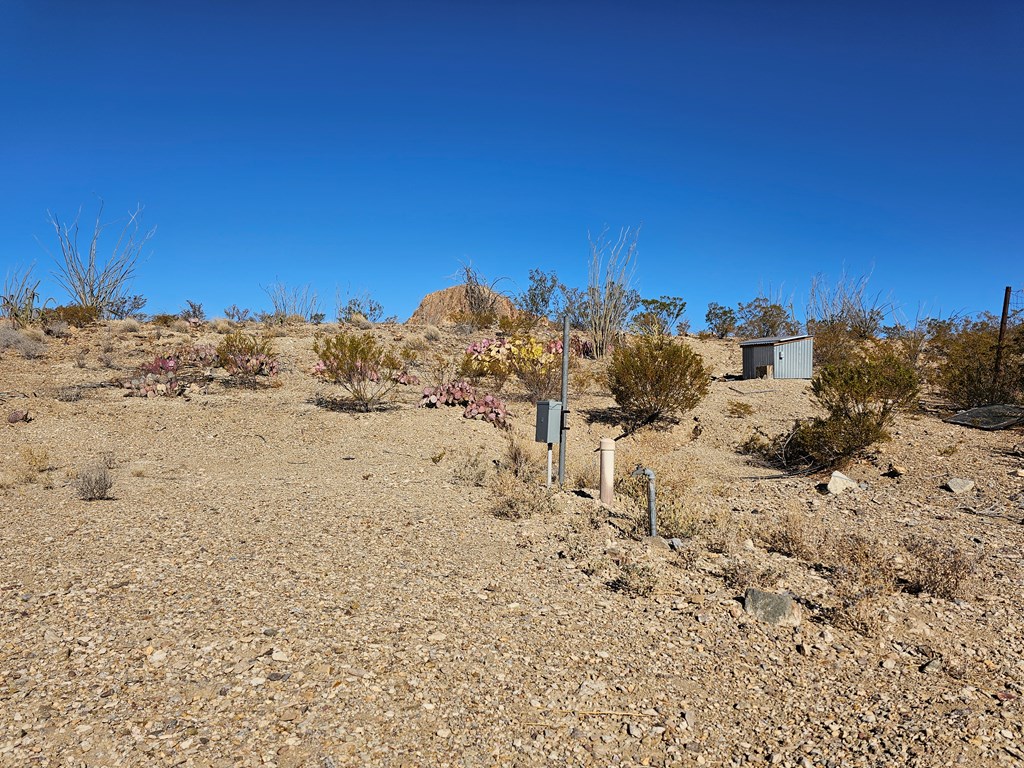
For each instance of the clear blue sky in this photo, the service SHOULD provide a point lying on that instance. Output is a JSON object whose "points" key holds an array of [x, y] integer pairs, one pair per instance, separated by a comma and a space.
{"points": [[375, 145]]}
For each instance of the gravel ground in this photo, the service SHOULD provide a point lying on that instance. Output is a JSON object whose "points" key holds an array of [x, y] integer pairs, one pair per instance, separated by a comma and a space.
{"points": [[276, 583]]}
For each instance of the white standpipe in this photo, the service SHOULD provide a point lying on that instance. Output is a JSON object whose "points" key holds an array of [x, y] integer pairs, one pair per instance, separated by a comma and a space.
{"points": [[549, 465], [607, 470]]}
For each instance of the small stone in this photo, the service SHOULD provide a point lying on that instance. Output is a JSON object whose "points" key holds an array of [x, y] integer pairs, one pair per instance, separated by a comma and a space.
{"points": [[17, 416], [678, 545], [437, 637], [895, 470], [444, 733], [957, 485], [279, 656], [839, 483], [932, 667], [778, 609], [889, 664]]}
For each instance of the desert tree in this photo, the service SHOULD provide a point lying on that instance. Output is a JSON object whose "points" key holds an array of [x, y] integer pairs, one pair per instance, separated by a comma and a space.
{"points": [[765, 316], [89, 279], [659, 316], [721, 320], [542, 297]]}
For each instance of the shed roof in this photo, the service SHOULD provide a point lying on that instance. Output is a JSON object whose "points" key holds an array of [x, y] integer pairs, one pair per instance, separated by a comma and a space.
{"points": [[774, 340]]}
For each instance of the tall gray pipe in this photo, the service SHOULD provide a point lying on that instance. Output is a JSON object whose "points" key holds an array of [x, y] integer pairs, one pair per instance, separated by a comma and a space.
{"points": [[565, 402]]}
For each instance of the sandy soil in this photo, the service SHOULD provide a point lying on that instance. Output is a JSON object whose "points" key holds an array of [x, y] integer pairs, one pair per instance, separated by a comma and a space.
{"points": [[277, 583]]}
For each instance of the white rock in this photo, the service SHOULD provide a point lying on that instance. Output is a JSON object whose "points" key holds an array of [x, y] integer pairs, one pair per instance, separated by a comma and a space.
{"points": [[958, 485], [839, 483]]}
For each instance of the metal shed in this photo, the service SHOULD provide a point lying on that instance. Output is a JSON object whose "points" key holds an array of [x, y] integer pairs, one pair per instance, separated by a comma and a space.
{"points": [[778, 357]]}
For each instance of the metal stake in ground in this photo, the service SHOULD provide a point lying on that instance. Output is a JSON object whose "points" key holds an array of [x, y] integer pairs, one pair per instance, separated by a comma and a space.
{"points": [[999, 345], [565, 402]]}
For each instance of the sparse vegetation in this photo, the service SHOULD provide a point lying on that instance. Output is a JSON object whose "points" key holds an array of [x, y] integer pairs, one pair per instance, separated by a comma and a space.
{"points": [[302, 303], [18, 302], [939, 568], [246, 356], [360, 365], [94, 482]]}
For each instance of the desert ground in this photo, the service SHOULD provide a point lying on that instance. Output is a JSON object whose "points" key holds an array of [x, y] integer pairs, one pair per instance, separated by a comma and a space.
{"points": [[276, 582]]}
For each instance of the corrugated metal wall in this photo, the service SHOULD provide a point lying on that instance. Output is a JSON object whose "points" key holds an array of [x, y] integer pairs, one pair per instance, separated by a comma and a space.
{"points": [[790, 360], [794, 359], [755, 356]]}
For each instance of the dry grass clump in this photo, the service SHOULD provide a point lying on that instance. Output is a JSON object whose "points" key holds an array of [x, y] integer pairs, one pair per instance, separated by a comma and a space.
{"points": [[739, 575], [221, 325], [737, 409], [29, 343], [71, 394], [473, 470], [938, 568], [33, 462], [636, 579], [431, 333], [94, 482], [862, 575], [797, 537], [515, 499], [129, 325]]}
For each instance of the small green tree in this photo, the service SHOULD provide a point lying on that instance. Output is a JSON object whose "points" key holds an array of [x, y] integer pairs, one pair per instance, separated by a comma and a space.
{"points": [[541, 298], [659, 316], [763, 317], [721, 320], [655, 379]]}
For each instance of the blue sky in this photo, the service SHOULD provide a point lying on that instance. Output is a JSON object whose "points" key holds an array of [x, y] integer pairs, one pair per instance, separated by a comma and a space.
{"points": [[375, 146]]}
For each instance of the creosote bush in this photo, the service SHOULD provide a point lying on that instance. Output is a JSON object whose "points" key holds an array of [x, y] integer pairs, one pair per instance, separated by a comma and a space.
{"points": [[246, 356], [360, 365], [860, 398], [654, 379]]}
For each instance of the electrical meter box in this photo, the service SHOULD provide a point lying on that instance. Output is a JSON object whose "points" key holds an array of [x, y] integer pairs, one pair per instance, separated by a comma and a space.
{"points": [[549, 421]]}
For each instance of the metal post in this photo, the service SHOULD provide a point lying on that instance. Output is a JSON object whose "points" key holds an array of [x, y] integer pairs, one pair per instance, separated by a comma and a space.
{"points": [[651, 512], [549, 465], [607, 481], [565, 402], [999, 345]]}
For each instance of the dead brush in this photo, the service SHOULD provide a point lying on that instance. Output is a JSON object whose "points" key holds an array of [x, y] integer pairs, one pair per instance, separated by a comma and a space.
{"points": [[938, 568], [737, 409], [472, 470], [33, 463], [94, 482], [862, 575], [518, 460], [636, 579], [739, 575], [795, 537], [518, 500]]}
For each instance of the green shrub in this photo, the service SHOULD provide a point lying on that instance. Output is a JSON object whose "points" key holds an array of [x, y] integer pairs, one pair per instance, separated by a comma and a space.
{"points": [[654, 379], [860, 398], [360, 365], [72, 314], [967, 360]]}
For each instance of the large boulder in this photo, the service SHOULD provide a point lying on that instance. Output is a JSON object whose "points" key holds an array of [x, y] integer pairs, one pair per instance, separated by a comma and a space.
{"points": [[450, 306]]}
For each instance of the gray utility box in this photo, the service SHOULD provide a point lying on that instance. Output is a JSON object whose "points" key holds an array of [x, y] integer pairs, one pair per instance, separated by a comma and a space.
{"points": [[549, 421]]}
